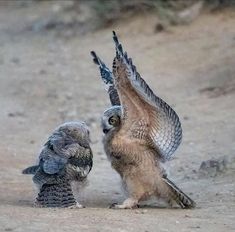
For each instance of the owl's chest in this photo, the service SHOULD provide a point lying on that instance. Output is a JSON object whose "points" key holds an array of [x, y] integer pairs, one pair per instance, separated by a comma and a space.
{"points": [[127, 144], [124, 151], [121, 145]]}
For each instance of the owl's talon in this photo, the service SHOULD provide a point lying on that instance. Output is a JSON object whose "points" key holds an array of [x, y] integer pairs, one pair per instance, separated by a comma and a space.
{"points": [[36, 204], [123, 206], [80, 206], [113, 205], [77, 206], [129, 203]]}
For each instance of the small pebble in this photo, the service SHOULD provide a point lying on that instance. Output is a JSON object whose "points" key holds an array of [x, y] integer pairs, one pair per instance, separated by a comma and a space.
{"points": [[16, 114], [8, 229], [15, 60], [42, 72], [159, 28]]}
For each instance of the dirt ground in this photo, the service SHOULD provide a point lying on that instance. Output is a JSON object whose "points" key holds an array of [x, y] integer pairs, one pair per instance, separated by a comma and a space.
{"points": [[47, 79]]}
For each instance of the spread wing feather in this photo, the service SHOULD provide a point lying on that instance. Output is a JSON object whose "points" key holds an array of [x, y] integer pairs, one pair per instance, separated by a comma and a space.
{"points": [[107, 78], [141, 106]]}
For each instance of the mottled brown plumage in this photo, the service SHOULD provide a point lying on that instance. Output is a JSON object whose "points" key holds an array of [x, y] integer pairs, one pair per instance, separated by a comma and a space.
{"points": [[140, 135]]}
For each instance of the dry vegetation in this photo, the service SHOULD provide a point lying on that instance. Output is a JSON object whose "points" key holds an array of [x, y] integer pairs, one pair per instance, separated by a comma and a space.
{"points": [[81, 16]]}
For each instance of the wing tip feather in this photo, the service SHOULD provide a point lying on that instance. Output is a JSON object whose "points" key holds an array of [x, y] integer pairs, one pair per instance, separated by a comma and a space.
{"points": [[96, 59], [137, 80]]}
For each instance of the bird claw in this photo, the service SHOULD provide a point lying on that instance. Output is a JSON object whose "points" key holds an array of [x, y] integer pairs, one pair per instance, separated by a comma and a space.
{"points": [[36, 204], [123, 206], [113, 205], [77, 206]]}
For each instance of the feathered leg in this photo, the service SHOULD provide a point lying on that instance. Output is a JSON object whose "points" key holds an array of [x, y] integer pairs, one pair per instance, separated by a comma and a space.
{"points": [[129, 203], [56, 195], [135, 190]]}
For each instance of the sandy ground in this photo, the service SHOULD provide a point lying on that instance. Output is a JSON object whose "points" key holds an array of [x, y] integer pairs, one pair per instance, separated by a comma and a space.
{"points": [[46, 80]]}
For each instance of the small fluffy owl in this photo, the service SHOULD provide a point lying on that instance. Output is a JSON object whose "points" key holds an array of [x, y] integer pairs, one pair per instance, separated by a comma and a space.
{"points": [[64, 158], [141, 132]]}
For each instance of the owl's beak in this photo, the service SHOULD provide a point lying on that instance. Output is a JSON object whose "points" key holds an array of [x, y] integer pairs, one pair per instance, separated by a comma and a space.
{"points": [[106, 128], [105, 131]]}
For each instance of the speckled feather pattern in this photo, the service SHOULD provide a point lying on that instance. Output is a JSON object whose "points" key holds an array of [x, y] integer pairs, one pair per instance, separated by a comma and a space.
{"points": [[166, 132], [141, 134], [107, 78], [57, 195], [65, 157]]}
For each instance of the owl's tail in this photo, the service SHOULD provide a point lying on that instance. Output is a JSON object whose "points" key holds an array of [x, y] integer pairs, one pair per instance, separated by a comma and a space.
{"points": [[56, 195], [179, 196], [30, 170]]}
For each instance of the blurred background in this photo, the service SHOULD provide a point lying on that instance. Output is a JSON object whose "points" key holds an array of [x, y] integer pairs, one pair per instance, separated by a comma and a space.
{"points": [[184, 49]]}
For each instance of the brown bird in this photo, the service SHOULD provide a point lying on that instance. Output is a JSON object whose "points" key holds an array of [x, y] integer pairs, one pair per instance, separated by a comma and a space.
{"points": [[140, 134], [66, 157]]}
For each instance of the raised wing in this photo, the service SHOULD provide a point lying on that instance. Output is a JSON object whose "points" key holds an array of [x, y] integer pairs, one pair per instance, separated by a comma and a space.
{"points": [[145, 115], [107, 78]]}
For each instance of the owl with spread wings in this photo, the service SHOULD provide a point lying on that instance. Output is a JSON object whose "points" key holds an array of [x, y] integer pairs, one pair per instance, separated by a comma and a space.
{"points": [[141, 132], [66, 157]]}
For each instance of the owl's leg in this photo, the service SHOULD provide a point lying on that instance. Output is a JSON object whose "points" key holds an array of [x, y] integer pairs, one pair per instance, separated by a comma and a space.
{"points": [[135, 191], [56, 195], [129, 203]]}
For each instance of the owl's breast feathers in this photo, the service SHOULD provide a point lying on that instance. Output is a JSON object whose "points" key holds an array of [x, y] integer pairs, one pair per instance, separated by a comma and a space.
{"points": [[128, 150]]}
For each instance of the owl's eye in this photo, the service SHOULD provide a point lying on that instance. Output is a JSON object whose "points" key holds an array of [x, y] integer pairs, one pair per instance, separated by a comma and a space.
{"points": [[112, 120]]}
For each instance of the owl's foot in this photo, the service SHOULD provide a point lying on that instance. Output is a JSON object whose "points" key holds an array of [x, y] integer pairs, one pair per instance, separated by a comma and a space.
{"points": [[76, 206], [112, 206], [37, 204], [129, 203]]}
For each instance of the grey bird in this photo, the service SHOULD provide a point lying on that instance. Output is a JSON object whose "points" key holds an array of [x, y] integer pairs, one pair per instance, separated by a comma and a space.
{"points": [[64, 158], [141, 132]]}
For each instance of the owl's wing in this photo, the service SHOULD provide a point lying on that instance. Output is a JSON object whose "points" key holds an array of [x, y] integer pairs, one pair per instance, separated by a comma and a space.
{"points": [[145, 116], [107, 78], [50, 162], [75, 159], [49, 165], [62, 144], [78, 156], [82, 163]]}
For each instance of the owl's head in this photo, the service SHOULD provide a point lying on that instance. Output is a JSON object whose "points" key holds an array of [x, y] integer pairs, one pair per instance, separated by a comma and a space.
{"points": [[75, 129], [111, 118]]}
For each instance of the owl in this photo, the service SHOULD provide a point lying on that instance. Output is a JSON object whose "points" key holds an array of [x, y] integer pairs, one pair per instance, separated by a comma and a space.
{"points": [[141, 133], [64, 158]]}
